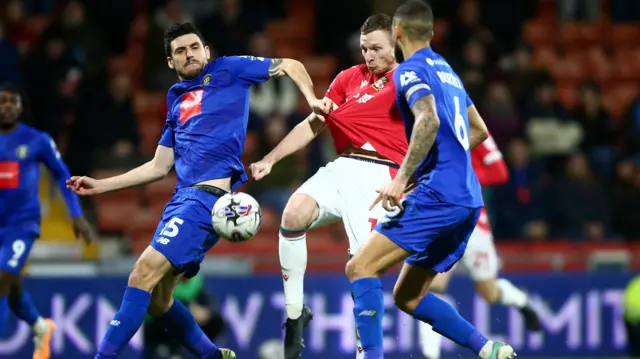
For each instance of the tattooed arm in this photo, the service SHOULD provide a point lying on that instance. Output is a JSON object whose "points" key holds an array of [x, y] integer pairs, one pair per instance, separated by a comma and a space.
{"points": [[298, 74], [425, 128]]}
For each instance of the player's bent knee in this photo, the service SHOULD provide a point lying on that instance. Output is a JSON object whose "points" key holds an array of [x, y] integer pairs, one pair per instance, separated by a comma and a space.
{"points": [[300, 212], [488, 289], [149, 270], [356, 268]]}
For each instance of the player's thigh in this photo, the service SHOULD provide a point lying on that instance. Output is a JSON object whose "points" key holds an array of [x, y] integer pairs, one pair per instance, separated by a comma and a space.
{"points": [[15, 246], [412, 284], [316, 203], [358, 195], [481, 258], [375, 257], [440, 283], [185, 235]]}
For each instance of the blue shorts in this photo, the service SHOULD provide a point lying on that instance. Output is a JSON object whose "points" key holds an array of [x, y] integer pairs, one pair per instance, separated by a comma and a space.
{"points": [[435, 233], [15, 245], [185, 233]]}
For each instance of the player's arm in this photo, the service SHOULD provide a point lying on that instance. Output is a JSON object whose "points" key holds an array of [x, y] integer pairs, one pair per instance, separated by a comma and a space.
{"points": [[478, 131], [490, 166], [299, 75], [298, 138], [53, 161], [425, 129], [152, 171]]}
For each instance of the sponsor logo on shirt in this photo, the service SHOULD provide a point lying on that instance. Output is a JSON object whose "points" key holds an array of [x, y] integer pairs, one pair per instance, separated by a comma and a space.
{"points": [[365, 98], [9, 175]]}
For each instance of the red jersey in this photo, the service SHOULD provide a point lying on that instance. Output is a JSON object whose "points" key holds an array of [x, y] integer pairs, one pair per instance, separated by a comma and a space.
{"points": [[491, 170], [367, 116]]}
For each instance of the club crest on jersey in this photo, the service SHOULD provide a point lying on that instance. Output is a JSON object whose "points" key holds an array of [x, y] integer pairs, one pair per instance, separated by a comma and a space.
{"points": [[22, 152], [379, 85], [206, 79]]}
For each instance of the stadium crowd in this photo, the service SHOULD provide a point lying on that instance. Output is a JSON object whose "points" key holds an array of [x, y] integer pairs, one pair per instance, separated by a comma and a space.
{"points": [[561, 102]]}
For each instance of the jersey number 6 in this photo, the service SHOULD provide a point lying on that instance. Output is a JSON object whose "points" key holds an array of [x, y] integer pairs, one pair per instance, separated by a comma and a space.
{"points": [[460, 125]]}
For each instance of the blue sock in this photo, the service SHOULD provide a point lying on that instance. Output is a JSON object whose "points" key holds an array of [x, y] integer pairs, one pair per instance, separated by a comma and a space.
{"points": [[368, 311], [448, 322], [125, 323], [181, 325], [22, 306], [4, 314]]}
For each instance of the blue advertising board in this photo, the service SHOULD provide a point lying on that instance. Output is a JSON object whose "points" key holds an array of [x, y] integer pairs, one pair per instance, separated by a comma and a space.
{"points": [[581, 314]]}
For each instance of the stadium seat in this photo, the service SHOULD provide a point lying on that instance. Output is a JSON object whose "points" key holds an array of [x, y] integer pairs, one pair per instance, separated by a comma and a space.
{"points": [[148, 102], [567, 95], [540, 33], [568, 70], [624, 36], [37, 24], [162, 190], [440, 31], [150, 131], [139, 30], [571, 36], [617, 97], [544, 57], [114, 217]]}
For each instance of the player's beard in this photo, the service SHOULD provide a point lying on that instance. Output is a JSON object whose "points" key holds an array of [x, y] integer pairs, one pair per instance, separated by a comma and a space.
{"points": [[189, 72]]}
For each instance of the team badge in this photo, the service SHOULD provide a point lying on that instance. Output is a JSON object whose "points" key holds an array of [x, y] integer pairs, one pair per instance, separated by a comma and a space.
{"points": [[22, 151], [207, 79], [379, 85]]}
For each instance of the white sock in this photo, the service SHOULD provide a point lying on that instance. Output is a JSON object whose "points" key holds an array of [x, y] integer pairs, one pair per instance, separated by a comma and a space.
{"points": [[40, 326], [510, 295], [485, 352], [293, 262], [359, 349], [430, 341]]}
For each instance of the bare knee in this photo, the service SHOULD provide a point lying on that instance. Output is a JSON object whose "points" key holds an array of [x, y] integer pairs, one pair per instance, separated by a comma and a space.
{"points": [[357, 268], [406, 301], [300, 212], [149, 270], [488, 289]]}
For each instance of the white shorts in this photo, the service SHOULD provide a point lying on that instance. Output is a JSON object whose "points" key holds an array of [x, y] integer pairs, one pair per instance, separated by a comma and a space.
{"points": [[344, 189], [480, 257]]}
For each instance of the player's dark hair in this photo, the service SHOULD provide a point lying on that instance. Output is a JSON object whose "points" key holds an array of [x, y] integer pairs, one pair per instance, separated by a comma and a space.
{"points": [[415, 17], [176, 31], [376, 22]]}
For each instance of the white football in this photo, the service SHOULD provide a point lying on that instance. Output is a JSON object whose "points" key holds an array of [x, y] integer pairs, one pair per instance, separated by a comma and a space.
{"points": [[236, 217]]}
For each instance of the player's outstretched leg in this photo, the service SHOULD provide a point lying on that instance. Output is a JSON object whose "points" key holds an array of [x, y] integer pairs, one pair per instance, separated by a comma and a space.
{"points": [[176, 318], [502, 291], [300, 212], [411, 296], [22, 306]]}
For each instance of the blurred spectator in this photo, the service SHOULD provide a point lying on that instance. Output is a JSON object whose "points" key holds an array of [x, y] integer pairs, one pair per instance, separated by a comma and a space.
{"points": [[518, 204], [16, 29], [228, 29], [473, 69], [501, 114], [625, 10], [285, 177], [278, 96], [579, 207], [631, 129], [579, 9], [599, 131], [84, 40], [116, 17], [625, 200], [10, 69], [468, 26], [521, 76], [158, 76], [51, 75], [105, 133], [551, 133]]}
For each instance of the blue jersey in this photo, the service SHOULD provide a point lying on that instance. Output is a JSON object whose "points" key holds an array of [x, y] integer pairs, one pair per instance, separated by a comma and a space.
{"points": [[21, 152], [446, 170], [207, 120]]}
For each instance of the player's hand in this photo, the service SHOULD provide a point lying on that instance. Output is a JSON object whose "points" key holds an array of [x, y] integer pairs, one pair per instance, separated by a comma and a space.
{"points": [[85, 186], [320, 107], [82, 230], [260, 169], [390, 195]]}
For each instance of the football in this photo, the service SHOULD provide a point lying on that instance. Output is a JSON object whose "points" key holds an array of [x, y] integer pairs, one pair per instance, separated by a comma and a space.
{"points": [[236, 217]]}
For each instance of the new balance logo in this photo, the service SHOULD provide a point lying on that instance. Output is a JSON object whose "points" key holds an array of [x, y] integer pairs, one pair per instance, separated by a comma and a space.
{"points": [[115, 323], [163, 240], [368, 313], [365, 98]]}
